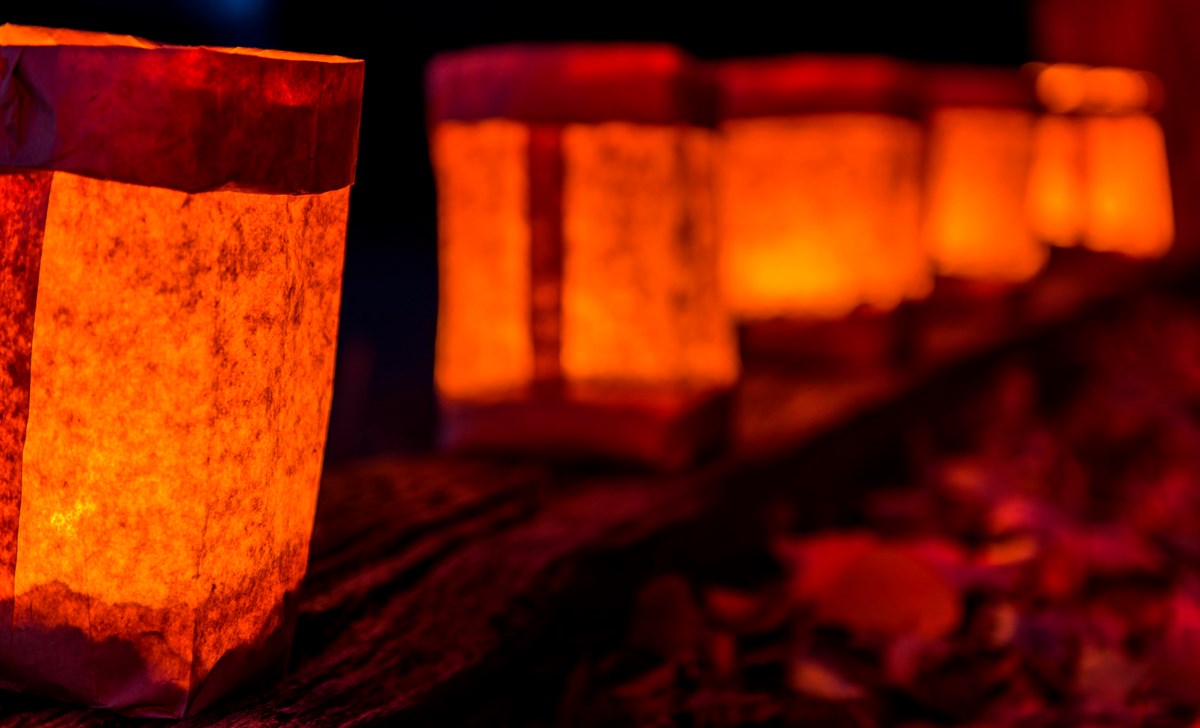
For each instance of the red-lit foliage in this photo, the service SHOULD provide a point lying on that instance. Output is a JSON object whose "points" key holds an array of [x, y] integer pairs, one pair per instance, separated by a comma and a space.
{"points": [[1039, 569]]}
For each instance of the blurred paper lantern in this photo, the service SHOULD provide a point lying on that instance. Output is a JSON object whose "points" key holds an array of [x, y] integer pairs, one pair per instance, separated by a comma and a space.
{"points": [[1100, 173], [171, 229], [819, 203], [981, 124], [820, 186], [578, 310]]}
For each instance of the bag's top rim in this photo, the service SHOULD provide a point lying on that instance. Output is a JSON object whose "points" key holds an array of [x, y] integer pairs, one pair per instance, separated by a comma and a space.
{"points": [[588, 82], [36, 36]]}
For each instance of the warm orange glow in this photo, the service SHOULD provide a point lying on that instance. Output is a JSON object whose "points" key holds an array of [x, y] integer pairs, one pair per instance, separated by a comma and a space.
{"points": [[166, 363], [1116, 91], [23, 200], [1061, 87], [182, 361], [579, 307], [975, 218], [639, 303], [819, 188], [819, 214], [484, 345], [1100, 174], [1129, 191], [1057, 183]]}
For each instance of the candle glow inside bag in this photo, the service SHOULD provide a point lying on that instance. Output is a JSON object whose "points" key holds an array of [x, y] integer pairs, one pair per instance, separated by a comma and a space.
{"points": [[172, 223]]}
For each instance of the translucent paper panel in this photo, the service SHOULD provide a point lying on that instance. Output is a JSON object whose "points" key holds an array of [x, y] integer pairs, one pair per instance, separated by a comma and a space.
{"points": [[1100, 174], [181, 374], [1057, 182], [1128, 186], [975, 222], [640, 301], [23, 200], [484, 347], [819, 214]]}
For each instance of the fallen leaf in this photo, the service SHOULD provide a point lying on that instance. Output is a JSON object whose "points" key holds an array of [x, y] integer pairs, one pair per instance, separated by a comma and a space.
{"points": [[1107, 677], [816, 562], [746, 612], [888, 591], [819, 680], [654, 681]]}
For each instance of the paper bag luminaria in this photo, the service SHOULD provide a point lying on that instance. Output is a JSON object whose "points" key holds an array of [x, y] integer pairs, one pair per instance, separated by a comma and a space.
{"points": [[579, 311], [1100, 174], [172, 223], [820, 186], [975, 226]]}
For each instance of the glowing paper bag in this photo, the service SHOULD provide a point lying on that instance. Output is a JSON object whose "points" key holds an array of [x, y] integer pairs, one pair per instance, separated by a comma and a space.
{"points": [[981, 125], [820, 186], [172, 223], [1100, 175], [579, 312]]}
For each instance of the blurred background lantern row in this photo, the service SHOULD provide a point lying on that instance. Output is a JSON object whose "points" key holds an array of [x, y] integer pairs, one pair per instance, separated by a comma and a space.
{"points": [[1100, 169], [584, 198]]}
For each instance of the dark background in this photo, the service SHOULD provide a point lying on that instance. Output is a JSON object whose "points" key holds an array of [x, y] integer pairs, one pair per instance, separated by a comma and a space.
{"points": [[384, 396]]}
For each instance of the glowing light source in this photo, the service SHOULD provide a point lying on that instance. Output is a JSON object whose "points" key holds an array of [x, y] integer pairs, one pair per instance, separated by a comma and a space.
{"points": [[578, 308], [981, 124], [1100, 175], [820, 185], [171, 231]]}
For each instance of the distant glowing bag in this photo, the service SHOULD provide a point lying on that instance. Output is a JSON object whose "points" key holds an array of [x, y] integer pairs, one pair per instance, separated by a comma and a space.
{"points": [[981, 125], [820, 186], [579, 312], [1100, 176]]}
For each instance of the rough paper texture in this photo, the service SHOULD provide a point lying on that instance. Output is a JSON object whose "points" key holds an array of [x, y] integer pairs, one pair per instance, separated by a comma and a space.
{"points": [[23, 201], [192, 119], [639, 302], [181, 377], [484, 344], [820, 214]]}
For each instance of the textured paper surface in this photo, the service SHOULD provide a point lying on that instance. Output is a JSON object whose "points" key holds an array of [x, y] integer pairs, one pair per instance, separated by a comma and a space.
{"points": [[640, 300], [23, 201], [192, 119], [484, 343], [639, 293], [167, 340], [180, 383], [820, 214]]}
